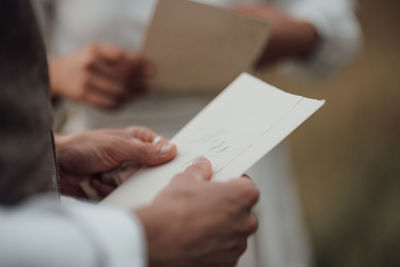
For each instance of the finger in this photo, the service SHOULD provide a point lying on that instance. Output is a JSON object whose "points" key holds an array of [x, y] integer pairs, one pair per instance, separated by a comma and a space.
{"points": [[125, 61], [70, 186], [100, 100], [143, 133], [121, 66], [110, 178], [245, 190], [249, 10], [112, 73], [139, 134], [137, 87], [249, 225], [141, 66], [109, 53], [244, 9], [148, 69], [200, 170], [239, 247], [246, 176], [110, 87], [118, 175], [229, 252], [101, 188], [157, 139], [149, 154]]}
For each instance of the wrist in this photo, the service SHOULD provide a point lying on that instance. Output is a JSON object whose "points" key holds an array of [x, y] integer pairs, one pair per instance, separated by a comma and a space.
{"points": [[306, 37], [150, 229], [160, 252], [55, 64], [290, 39], [63, 144]]}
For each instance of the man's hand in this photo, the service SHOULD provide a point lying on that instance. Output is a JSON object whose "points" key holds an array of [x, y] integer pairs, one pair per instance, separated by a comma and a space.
{"points": [[195, 222], [100, 75], [289, 38], [88, 155]]}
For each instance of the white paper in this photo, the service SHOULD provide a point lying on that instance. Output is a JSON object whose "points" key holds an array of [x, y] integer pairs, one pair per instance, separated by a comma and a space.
{"points": [[242, 124]]}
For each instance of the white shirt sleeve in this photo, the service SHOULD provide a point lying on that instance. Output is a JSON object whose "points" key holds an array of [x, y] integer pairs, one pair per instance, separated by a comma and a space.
{"points": [[339, 31], [44, 233]]}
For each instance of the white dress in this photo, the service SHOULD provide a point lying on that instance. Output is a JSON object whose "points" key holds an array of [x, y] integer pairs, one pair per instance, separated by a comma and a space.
{"points": [[281, 240]]}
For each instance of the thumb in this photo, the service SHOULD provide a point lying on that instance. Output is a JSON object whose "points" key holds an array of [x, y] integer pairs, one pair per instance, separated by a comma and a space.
{"points": [[200, 170], [150, 154]]}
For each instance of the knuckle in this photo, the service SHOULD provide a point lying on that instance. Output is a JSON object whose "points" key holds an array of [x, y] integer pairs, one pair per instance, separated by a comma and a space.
{"points": [[242, 247], [254, 194], [195, 172], [92, 49], [250, 192], [147, 151], [85, 88], [144, 129], [139, 130], [250, 225], [83, 92], [88, 62], [179, 178], [119, 55]]}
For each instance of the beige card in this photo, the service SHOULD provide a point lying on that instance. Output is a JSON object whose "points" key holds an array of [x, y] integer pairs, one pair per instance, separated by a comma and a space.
{"points": [[197, 47]]}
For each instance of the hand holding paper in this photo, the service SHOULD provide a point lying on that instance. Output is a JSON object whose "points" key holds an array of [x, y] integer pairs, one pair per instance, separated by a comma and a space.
{"points": [[242, 124]]}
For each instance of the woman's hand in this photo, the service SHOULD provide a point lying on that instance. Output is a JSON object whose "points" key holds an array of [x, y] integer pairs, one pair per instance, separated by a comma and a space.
{"points": [[101, 75], [289, 38]]}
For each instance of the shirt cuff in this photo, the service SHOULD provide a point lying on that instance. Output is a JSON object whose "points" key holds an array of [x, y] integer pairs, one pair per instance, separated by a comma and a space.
{"points": [[117, 235], [339, 33]]}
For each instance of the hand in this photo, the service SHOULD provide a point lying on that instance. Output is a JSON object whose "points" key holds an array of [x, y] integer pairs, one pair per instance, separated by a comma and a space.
{"points": [[87, 155], [100, 75], [195, 222], [289, 38]]}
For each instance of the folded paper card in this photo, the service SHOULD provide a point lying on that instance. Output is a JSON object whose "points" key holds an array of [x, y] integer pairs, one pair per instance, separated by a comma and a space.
{"points": [[197, 47], [241, 125]]}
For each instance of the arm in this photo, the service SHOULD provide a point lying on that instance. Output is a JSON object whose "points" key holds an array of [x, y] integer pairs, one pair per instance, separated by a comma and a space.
{"points": [[318, 37], [289, 38], [339, 31]]}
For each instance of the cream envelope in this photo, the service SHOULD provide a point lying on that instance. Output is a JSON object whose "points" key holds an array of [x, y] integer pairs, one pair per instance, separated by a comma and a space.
{"points": [[197, 47], [242, 124]]}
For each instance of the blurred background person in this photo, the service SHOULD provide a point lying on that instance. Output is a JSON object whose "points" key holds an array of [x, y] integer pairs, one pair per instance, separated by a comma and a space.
{"points": [[309, 37]]}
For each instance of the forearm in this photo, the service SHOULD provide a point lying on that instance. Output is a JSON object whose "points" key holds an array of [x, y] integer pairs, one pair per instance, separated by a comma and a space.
{"points": [[338, 30], [292, 40]]}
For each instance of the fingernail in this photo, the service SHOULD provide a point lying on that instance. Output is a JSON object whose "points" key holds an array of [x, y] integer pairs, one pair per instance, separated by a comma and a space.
{"points": [[200, 161], [157, 140], [165, 148], [136, 140]]}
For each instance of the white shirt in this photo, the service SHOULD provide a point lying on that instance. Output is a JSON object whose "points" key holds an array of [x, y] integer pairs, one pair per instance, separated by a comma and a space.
{"points": [[44, 233]]}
